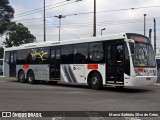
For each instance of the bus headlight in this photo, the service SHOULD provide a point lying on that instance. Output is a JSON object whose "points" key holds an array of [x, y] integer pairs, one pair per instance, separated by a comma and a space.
{"points": [[138, 71]]}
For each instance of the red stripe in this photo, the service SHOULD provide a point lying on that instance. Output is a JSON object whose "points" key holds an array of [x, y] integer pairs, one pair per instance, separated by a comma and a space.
{"points": [[26, 66], [93, 66]]}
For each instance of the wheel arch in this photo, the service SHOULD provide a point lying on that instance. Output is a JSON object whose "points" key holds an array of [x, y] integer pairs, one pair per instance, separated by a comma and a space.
{"points": [[20, 70], [29, 71], [89, 75]]}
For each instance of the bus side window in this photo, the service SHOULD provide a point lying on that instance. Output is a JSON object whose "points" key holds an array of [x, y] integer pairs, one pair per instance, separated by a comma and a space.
{"points": [[29, 56], [96, 52], [21, 56], [67, 54], [7, 57], [119, 53], [81, 53], [38, 55], [43, 55]]}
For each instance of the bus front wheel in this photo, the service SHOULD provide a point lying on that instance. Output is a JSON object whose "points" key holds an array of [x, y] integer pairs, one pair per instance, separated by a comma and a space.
{"points": [[119, 87], [96, 81], [21, 77], [31, 77]]}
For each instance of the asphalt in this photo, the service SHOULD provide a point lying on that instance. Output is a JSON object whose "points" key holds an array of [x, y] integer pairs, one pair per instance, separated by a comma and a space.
{"points": [[15, 96]]}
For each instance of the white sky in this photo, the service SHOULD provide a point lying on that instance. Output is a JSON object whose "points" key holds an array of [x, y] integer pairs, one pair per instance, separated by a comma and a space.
{"points": [[79, 26]]}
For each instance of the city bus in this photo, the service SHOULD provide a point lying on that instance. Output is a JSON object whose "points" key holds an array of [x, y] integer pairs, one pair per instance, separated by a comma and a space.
{"points": [[124, 59]]}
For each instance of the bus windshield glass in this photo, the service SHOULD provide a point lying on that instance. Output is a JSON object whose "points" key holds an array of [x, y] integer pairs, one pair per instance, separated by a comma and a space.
{"points": [[143, 55]]}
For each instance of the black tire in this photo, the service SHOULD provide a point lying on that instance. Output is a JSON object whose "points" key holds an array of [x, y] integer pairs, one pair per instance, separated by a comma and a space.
{"points": [[96, 81], [119, 87], [31, 77], [21, 77], [52, 82], [89, 85]]}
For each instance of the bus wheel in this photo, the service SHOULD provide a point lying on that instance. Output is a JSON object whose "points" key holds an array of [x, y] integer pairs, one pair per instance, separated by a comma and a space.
{"points": [[119, 87], [96, 81], [21, 76], [52, 82], [30, 77]]}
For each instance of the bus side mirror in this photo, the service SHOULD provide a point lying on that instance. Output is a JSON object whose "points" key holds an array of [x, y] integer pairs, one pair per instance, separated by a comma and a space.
{"points": [[132, 47]]}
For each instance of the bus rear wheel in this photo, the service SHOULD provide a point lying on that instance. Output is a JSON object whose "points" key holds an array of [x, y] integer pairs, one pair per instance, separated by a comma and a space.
{"points": [[31, 77], [96, 81], [21, 77]]}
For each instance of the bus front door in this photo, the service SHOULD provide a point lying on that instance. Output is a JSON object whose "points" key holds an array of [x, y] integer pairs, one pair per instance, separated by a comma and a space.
{"points": [[115, 64], [55, 64], [12, 64]]}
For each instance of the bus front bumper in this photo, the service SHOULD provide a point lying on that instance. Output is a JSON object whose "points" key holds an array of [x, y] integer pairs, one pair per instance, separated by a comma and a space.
{"points": [[142, 80]]}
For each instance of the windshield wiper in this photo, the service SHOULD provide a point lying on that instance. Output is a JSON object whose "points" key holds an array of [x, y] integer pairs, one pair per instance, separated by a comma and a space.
{"points": [[142, 50]]}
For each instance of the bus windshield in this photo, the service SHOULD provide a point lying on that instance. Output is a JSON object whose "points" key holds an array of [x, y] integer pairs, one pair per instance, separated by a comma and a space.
{"points": [[144, 54]]}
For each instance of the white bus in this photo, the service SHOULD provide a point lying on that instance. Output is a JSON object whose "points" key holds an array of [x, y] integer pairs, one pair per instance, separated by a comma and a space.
{"points": [[119, 60]]}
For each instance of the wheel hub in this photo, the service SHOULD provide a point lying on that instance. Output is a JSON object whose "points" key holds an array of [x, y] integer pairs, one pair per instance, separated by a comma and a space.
{"points": [[95, 80]]}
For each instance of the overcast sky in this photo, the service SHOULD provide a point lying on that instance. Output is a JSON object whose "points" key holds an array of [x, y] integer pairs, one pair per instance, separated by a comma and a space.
{"points": [[114, 15]]}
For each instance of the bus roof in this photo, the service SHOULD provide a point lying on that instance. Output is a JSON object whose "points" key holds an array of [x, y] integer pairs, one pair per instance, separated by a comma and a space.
{"points": [[65, 42]]}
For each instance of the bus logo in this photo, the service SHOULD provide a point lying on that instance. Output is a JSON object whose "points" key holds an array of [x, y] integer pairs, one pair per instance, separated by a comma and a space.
{"points": [[6, 114]]}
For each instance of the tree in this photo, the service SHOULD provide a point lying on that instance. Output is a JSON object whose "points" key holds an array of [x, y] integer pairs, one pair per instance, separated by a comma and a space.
{"points": [[6, 14], [18, 34]]}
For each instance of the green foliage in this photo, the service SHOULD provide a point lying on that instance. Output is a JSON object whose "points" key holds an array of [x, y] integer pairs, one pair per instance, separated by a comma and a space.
{"points": [[18, 34], [6, 14], [1, 52]]}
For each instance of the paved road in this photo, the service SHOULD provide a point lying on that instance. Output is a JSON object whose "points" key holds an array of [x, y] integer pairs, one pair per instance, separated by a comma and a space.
{"points": [[16, 96]]}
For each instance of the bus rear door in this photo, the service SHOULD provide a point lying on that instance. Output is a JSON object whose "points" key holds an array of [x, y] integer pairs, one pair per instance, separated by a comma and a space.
{"points": [[55, 64]]}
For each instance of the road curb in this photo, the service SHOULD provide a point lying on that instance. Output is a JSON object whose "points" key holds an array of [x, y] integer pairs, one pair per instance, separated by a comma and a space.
{"points": [[157, 84]]}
